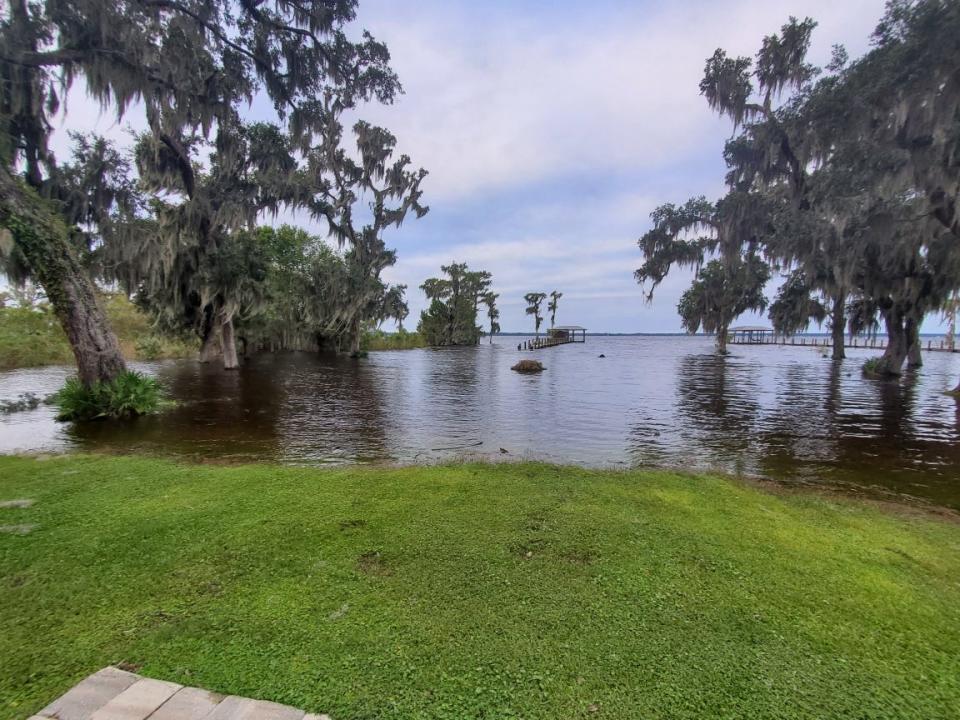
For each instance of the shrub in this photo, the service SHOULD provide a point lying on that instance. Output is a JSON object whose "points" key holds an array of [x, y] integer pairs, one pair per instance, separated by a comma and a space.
{"points": [[149, 347], [400, 340], [871, 367], [128, 395]]}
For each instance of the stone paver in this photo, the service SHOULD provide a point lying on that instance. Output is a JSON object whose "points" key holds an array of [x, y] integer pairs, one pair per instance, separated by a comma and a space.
{"points": [[188, 704], [238, 708], [84, 699], [114, 694], [138, 701]]}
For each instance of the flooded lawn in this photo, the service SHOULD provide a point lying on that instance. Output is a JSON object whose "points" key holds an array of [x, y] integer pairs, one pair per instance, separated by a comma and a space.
{"points": [[787, 413]]}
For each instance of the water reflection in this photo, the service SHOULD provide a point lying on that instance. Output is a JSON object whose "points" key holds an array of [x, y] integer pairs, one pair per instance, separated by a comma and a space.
{"points": [[783, 412]]}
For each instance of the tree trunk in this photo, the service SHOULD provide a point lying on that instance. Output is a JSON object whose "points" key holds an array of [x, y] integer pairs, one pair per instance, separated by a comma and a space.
{"points": [[914, 348], [355, 339], [42, 237], [891, 363], [722, 340], [209, 344], [837, 322], [229, 343]]}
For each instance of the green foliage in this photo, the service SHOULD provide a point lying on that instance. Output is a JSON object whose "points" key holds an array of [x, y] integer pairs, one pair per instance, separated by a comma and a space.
{"points": [[871, 366], [722, 292], [476, 591], [128, 395], [795, 306], [451, 318], [400, 340], [553, 305], [32, 336], [534, 300]]}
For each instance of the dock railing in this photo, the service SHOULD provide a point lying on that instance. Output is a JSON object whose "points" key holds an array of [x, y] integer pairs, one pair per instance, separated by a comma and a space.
{"points": [[872, 343]]}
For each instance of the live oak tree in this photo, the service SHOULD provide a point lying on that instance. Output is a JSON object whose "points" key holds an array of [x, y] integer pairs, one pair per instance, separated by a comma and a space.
{"points": [[534, 301], [373, 185], [200, 263], [772, 157], [721, 241], [720, 292], [189, 66], [865, 157]]}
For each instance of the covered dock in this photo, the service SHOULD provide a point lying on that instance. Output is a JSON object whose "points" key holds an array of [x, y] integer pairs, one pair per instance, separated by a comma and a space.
{"points": [[751, 335], [559, 335]]}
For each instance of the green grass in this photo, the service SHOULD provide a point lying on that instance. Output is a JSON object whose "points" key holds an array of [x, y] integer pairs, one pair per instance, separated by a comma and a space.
{"points": [[30, 337], [473, 591]]}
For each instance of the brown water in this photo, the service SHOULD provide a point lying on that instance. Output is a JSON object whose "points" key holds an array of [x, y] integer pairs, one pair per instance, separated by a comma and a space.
{"points": [[786, 413]]}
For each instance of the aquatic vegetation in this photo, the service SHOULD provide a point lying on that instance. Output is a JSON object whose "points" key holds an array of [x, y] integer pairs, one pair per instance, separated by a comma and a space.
{"points": [[128, 395]]}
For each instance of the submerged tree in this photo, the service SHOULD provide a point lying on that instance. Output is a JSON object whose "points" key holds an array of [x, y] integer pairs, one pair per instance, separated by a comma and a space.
{"points": [[374, 185], [552, 307], [862, 156], [689, 236], [534, 301], [190, 65], [451, 318], [493, 313], [720, 292]]}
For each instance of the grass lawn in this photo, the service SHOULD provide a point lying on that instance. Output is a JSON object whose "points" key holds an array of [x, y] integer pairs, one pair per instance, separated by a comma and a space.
{"points": [[475, 591]]}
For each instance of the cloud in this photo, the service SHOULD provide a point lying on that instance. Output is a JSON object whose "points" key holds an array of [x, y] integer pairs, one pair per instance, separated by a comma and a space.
{"points": [[504, 96]]}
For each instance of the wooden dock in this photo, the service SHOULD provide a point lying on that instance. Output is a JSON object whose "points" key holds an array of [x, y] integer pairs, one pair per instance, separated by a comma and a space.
{"points": [[877, 343], [560, 335]]}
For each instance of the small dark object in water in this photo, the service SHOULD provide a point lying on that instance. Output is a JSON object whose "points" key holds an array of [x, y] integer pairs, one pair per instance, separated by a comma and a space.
{"points": [[601, 355], [528, 366], [518, 346], [504, 451]]}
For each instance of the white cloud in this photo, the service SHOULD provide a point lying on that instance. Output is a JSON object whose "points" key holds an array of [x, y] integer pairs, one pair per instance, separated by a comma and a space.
{"points": [[499, 99]]}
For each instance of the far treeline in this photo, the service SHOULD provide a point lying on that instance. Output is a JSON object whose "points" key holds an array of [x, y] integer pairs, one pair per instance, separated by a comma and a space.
{"points": [[843, 179]]}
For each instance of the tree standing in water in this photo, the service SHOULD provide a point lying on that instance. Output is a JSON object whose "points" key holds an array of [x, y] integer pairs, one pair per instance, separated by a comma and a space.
{"points": [[534, 301], [552, 307], [493, 313]]}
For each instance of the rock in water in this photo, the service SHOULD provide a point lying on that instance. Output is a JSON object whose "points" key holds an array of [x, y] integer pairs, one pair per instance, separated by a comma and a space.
{"points": [[528, 366]]}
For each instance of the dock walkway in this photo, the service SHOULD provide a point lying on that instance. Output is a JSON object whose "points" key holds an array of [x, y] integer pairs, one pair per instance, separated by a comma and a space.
{"points": [[114, 694], [879, 343]]}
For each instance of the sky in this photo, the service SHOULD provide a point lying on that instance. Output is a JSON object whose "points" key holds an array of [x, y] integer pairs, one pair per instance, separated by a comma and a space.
{"points": [[551, 130]]}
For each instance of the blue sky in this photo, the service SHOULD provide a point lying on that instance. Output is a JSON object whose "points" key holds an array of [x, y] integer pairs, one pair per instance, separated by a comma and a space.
{"points": [[552, 129]]}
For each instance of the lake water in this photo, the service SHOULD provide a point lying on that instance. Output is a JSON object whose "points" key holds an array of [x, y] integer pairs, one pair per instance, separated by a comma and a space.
{"points": [[782, 412]]}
